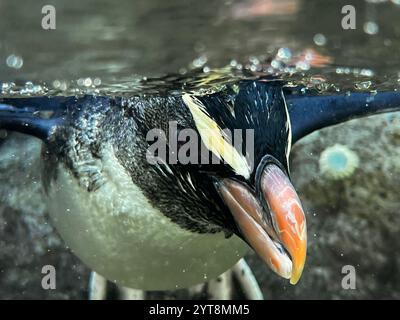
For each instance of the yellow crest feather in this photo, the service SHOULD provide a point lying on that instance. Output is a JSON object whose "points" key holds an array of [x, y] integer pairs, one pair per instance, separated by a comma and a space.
{"points": [[214, 138]]}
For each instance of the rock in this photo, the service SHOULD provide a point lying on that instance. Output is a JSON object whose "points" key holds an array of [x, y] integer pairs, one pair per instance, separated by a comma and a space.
{"points": [[27, 239]]}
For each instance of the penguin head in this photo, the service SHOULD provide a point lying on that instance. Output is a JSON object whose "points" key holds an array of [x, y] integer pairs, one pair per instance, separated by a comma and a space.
{"points": [[243, 186]]}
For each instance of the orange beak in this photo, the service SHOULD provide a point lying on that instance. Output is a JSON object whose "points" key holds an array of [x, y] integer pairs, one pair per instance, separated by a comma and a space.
{"points": [[287, 216], [280, 239]]}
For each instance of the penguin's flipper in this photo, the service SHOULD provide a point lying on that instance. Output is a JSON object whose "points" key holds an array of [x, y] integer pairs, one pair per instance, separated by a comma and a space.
{"points": [[33, 104], [25, 114], [28, 123], [311, 112], [40, 116]]}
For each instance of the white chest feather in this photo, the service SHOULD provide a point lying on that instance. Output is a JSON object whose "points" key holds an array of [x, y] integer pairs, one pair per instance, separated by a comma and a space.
{"points": [[118, 233]]}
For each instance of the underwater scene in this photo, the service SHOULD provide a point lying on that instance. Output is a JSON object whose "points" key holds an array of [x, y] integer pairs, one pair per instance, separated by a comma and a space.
{"points": [[199, 150]]}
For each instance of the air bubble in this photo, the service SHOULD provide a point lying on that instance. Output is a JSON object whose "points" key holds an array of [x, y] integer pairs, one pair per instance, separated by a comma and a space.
{"points": [[364, 85], [56, 84], [284, 54], [371, 28], [319, 39], [302, 65], [14, 61], [87, 82], [200, 61]]}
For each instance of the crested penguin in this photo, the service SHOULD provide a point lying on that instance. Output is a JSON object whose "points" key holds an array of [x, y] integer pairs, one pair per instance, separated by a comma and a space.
{"points": [[167, 224]]}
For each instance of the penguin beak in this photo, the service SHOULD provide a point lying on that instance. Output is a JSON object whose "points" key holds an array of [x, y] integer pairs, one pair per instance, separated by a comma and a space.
{"points": [[278, 236]]}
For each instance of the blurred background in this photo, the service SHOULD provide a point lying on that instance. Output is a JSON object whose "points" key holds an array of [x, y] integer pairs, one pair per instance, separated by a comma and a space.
{"points": [[125, 47], [112, 41]]}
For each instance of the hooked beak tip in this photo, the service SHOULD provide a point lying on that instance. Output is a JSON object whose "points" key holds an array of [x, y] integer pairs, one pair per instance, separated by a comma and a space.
{"points": [[287, 215], [298, 262]]}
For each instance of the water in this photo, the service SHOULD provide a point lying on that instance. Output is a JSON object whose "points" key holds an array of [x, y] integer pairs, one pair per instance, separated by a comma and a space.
{"points": [[158, 46], [101, 46]]}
